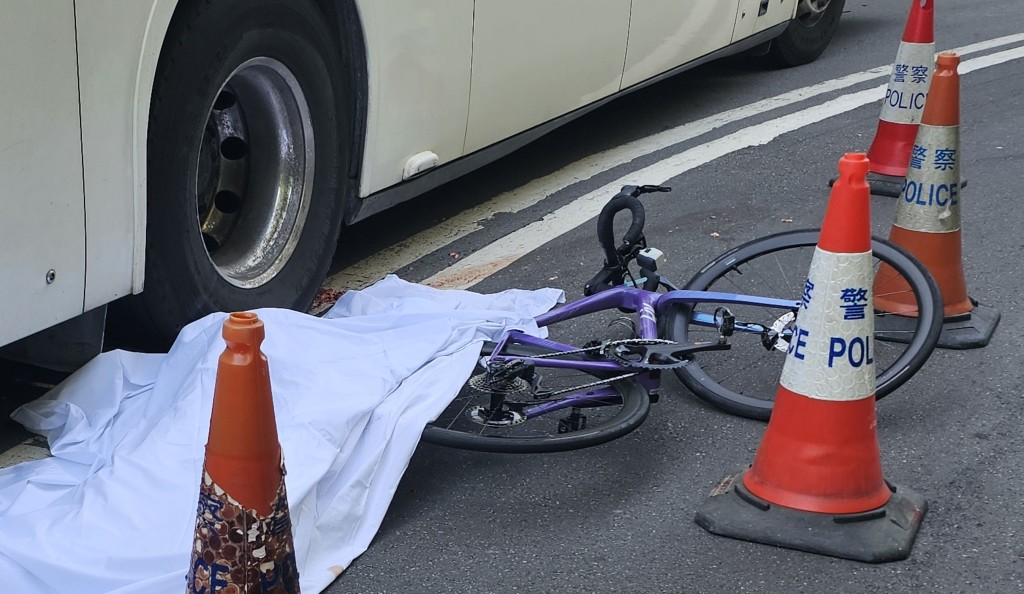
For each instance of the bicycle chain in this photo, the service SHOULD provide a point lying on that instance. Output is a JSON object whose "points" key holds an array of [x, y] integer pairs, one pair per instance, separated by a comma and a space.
{"points": [[590, 385], [601, 348], [604, 346], [606, 349], [479, 383]]}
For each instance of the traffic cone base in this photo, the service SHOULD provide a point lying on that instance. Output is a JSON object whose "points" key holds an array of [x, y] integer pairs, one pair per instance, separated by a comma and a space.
{"points": [[882, 184], [970, 331], [889, 186], [877, 536]]}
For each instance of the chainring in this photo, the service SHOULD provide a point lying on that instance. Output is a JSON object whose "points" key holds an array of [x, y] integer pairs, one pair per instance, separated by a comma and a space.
{"points": [[634, 352]]}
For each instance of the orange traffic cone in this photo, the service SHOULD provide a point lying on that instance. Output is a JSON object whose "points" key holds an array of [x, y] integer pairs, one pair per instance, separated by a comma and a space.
{"points": [[904, 101], [243, 538], [816, 482], [927, 220]]}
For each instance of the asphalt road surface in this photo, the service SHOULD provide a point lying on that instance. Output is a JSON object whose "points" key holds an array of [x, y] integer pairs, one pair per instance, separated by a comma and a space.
{"points": [[748, 152], [619, 517]]}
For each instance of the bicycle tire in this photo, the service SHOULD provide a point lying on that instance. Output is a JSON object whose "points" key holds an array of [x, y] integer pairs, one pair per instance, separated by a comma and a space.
{"points": [[635, 404], [920, 341]]}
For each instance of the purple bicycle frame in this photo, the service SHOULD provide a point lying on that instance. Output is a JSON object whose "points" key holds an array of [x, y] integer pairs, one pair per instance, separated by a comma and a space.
{"points": [[648, 305]]}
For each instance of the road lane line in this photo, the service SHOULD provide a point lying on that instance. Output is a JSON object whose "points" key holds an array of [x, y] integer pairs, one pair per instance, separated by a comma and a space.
{"points": [[428, 241], [498, 255]]}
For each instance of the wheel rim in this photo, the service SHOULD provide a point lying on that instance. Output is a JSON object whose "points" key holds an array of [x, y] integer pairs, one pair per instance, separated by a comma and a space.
{"points": [[808, 12], [894, 359], [254, 173]]}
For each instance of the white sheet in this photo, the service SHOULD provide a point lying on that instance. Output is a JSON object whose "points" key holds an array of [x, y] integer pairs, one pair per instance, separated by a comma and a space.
{"points": [[114, 509]]}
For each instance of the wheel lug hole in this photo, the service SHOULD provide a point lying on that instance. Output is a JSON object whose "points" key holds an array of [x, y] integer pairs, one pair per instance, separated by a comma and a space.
{"points": [[227, 202], [224, 100], [211, 243], [234, 148]]}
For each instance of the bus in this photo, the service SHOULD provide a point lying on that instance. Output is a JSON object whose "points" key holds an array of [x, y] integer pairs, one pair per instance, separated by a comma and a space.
{"points": [[181, 157]]}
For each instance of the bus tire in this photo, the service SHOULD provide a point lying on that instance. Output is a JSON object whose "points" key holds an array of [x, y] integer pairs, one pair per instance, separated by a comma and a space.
{"points": [[249, 134], [807, 35]]}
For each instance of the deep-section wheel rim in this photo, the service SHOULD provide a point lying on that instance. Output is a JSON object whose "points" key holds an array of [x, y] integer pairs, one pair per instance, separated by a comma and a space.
{"points": [[895, 361], [254, 174]]}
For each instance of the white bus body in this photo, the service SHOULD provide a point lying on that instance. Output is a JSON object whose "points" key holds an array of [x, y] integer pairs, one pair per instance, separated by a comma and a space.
{"points": [[452, 79]]}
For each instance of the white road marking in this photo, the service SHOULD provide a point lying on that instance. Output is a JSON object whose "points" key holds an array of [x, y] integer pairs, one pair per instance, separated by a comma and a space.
{"points": [[498, 255], [479, 265], [408, 251]]}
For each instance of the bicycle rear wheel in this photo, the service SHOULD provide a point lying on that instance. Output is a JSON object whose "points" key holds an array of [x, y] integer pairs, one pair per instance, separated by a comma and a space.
{"points": [[743, 381], [608, 409]]}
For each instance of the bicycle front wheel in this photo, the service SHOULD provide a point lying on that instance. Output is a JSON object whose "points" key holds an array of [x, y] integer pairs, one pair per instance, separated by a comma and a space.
{"points": [[743, 381], [554, 411]]}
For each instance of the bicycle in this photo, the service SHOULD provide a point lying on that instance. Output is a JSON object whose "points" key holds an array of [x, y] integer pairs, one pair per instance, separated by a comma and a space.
{"points": [[521, 381]]}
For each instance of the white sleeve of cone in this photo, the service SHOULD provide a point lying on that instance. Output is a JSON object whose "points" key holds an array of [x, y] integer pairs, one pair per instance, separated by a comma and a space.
{"points": [[930, 200], [831, 354], [908, 84]]}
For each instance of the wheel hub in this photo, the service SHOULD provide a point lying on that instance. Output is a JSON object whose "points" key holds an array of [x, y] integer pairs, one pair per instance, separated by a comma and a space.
{"points": [[809, 11], [506, 417], [254, 174], [777, 338]]}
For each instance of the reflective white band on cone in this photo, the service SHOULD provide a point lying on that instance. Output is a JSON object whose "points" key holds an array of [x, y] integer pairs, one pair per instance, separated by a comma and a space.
{"points": [[831, 353], [930, 200], [908, 84]]}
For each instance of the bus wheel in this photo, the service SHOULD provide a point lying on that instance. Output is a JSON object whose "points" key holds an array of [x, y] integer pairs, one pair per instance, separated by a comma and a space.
{"points": [[808, 34], [248, 135]]}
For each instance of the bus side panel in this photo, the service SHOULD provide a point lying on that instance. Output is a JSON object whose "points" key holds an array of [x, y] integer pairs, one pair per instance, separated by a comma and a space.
{"points": [[41, 220], [535, 60], [118, 44], [666, 33], [749, 19], [419, 56]]}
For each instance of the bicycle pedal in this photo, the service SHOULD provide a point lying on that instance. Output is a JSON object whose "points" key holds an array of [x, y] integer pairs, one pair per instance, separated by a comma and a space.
{"points": [[725, 322]]}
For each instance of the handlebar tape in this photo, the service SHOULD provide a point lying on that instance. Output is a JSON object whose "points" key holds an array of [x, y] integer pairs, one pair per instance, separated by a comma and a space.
{"points": [[606, 229]]}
